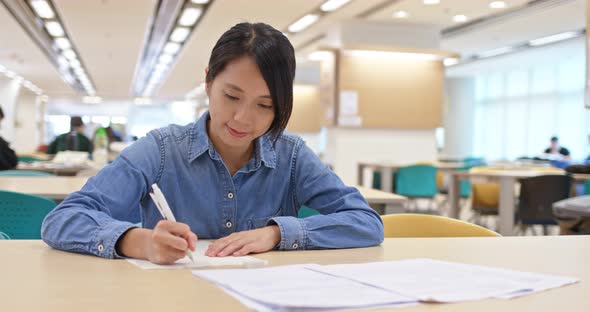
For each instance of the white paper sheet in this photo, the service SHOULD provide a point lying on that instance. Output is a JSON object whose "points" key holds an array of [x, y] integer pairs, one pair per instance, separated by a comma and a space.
{"points": [[202, 261], [439, 281], [298, 287]]}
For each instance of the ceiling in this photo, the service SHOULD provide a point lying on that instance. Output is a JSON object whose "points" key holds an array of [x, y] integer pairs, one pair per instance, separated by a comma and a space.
{"points": [[110, 34]]}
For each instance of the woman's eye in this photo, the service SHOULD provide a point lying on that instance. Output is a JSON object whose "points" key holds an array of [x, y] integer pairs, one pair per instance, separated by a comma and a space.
{"points": [[233, 98], [265, 106]]}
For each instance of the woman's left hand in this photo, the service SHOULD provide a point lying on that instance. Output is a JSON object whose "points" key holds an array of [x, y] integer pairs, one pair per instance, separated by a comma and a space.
{"points": [[246, 242]]}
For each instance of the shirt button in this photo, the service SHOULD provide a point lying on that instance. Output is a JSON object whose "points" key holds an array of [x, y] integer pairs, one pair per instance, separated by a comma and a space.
{"points": [[100, 248], [228, 224], [295, 245], [230, 195]]}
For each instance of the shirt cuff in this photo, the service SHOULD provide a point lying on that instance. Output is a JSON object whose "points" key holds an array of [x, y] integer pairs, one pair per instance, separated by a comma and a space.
{"points": [[106, 239], [293, 234]]}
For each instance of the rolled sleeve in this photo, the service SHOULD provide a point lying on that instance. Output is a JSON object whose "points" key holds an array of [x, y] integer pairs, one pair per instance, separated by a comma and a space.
{"points": [[293, 233], [106, 239]]}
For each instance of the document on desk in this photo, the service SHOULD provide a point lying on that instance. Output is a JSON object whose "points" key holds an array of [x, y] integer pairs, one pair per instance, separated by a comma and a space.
{"points": [[439, 281], [299, 287], [202, 261]]}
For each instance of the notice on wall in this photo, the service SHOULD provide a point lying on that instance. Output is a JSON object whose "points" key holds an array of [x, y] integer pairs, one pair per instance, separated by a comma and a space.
{"points": [[349, 103]]}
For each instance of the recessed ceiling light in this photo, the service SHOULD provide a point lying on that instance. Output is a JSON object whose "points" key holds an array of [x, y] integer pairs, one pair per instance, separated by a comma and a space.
{"points": [[333, 5], [54, 29], [189, 16], [200, 1], [400, 14], [495, 52], [179, 34], [431, 2], [63, 43], [42, 8], [554, 38], [69, 54], [450, 61], [165, 59], [497, 4], [303, 22], [459, 18], [171, 48]]}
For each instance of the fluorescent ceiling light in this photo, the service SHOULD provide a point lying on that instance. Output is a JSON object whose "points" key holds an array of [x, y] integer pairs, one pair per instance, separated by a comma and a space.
{"points": [[75, 63], [171, 48], [497, 4], [42, 8], [179, 34], [431, 2], [400, 14], [319, 55], [495, 52], [450, 61], [333, 5], [165, 59], [303, 22], [189, 16], [69, 54], [142, 101], [91, 99], [54, 29], [554, 38], [200, 1], [459, 18], [10, 74], [2, 69], [63, 43], [405, 55]]}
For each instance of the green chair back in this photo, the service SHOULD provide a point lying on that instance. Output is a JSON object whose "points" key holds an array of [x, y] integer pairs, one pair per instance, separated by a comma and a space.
{"points": [[21, 215], [465, 185], [586, 187], [25, 173], [416, 181], [305, 212], [28, 159]]}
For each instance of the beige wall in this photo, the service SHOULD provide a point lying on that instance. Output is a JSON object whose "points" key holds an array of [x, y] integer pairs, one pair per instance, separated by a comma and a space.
{"points": [[394, 92], [307, 112]]}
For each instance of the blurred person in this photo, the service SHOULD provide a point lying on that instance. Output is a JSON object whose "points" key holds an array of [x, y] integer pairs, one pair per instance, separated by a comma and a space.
{"points": [[8, 159], [75, 140], [555, 149]]}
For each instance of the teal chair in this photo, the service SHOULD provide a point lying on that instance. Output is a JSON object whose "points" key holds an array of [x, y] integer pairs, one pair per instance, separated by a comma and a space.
{"points": [[25, 173], [416, 182], [305, 212], [21, 215], [587, 187], [28, 159]]}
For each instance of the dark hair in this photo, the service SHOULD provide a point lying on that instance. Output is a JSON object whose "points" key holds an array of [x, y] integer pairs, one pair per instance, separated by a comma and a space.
{"points": [[274, 56], [76, 122], [1, 113], [554, 139]]}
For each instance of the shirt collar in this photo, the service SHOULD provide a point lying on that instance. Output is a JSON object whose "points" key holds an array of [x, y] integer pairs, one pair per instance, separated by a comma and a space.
{"points": [[199, 143]]}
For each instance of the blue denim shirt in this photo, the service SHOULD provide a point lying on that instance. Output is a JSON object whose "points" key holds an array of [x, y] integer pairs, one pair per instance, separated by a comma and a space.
{"points": [[269, 189]]}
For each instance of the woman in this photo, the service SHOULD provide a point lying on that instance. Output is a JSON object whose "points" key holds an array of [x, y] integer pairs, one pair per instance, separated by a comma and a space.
{"points": [[233, 175]]}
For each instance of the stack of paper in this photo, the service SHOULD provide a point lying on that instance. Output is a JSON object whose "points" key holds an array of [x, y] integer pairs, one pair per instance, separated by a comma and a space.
{"points": [[202, 261], [378, 284]]}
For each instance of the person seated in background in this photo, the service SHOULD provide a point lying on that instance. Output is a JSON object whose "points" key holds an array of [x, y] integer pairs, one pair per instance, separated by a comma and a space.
{"points": [[8, 159], [75, 140], [556, 150]]}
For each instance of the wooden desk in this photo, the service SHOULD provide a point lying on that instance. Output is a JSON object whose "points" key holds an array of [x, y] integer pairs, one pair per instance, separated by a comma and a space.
{"points": [[38, 278], [381, 201], [507, 179], [57, 169], [58, 188], [387, 169]]}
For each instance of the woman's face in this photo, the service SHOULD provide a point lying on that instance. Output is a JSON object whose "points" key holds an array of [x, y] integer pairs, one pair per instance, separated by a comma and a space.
{"points": [[240, 105]]}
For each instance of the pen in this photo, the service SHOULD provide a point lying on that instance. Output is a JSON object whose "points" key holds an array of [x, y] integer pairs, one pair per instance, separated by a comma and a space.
{"points": [[162, 205]]}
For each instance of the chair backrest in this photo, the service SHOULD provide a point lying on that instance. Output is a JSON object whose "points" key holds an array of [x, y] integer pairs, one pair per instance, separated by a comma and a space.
{"points": [[416, 181], [422, 225], [25, 173], [537, 195], [485, 195], [305, 212], [21, 214], [28, 159]]}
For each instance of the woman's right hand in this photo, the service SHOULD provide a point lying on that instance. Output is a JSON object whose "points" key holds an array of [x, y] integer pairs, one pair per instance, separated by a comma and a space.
{"points": [[165, 244]]}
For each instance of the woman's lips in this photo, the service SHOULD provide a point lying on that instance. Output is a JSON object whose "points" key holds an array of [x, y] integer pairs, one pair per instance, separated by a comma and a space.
{"points": [[236, 133]]}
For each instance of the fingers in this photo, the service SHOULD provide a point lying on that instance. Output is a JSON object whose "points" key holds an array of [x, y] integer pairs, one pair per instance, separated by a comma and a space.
{"points": [[166, 255], [217, 246], [175, 234], [246, 249]]}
